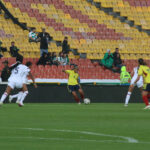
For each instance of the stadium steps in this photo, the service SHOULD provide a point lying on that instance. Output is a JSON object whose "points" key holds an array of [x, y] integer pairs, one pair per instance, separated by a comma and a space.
{"points": [[123, 18]]}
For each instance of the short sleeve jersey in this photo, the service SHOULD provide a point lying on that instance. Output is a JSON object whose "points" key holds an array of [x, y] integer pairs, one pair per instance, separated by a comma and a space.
{"points": [[73, 77], [145, 72]]}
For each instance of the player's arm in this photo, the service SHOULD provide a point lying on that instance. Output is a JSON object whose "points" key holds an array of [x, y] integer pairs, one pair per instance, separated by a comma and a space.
{"points": [[132, 73], [140, 72], [66, 71], [32, 78], [14, 66]]}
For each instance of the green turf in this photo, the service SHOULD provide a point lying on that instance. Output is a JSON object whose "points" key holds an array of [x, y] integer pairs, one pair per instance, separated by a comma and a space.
{"points": [[74, 127]]}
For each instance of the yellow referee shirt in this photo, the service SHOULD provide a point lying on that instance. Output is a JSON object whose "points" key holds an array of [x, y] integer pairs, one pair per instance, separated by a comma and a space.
{"points": [[73, 77], [145, 72]]}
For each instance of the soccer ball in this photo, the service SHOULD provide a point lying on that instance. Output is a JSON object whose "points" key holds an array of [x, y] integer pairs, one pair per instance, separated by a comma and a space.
{"points": [[86, 101]]}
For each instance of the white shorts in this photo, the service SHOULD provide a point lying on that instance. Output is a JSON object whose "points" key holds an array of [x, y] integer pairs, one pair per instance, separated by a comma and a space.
{"points": [[139, 84], [14, 84]]}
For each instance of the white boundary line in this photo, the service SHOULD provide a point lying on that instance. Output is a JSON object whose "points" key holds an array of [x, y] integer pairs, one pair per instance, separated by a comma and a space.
{"points": [[127, 139]]}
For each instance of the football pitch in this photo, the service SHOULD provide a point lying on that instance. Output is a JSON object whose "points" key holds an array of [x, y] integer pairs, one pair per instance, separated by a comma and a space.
{"points": [[74, 127]]}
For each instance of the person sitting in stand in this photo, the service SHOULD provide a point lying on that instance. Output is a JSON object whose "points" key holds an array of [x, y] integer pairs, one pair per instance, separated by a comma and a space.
{"points": [[63, 59], [55, 59], [107, 61], [117, 60], [43, 60]]}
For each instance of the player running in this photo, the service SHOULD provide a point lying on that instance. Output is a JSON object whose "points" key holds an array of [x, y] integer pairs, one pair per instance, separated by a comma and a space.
{"points": [[16, 80], [27, 72], [73, 83], [144, 71], [139, 84]]}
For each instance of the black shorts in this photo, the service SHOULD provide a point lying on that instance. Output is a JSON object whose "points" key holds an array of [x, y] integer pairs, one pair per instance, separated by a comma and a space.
{"points": [[73, 88], [147, 87]]}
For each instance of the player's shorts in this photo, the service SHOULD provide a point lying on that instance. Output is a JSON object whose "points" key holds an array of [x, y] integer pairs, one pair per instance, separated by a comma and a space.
{"points": [[14, 84], [146, 87], [139, 84], [73, 88]]}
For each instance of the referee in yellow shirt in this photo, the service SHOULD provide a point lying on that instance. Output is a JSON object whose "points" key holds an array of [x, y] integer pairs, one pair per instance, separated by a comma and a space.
{"points": [[73, 83], [144, 71]]}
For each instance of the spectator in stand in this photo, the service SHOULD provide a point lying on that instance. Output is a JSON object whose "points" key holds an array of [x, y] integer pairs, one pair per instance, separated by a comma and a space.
{"points": [[63, 59], [107, 61], [2, 49], [44, 60], [65, 46], [32, 35], [44, 39], [14, 51], [5, 73], [54, 59], [49, 58], [117, 59]]}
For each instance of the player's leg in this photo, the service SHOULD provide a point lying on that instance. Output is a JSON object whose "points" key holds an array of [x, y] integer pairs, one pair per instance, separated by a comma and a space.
{"points": [[24, 94], [76, 97], [11, 97], [6, 93], [81, 93], [146, 90], [145, 99], [131, 87]]}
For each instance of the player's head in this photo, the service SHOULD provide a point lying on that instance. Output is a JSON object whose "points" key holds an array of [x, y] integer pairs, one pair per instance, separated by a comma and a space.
{"points": [[19, 58], [75, 68], [29, 64], [141, 61]]}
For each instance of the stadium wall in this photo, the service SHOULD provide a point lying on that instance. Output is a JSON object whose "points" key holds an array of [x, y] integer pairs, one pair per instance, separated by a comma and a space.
{"points": [[47, 93]]}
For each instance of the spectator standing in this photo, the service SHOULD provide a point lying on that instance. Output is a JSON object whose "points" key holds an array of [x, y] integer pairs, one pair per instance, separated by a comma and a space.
{"points": [[124, 76], [44, 39], [107, 61], [32, 35], [5, 73], [14, 51], [65, 46], [117, 59]]}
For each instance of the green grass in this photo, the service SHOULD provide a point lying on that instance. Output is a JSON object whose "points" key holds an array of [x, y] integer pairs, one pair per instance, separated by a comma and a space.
{"points": [[74, 127]]}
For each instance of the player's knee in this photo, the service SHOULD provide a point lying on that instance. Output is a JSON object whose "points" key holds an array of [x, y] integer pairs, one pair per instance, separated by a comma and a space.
{"points": [[26, 92]]}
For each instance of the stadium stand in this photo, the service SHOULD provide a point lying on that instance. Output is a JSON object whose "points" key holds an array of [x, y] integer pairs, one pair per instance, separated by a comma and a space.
{"points": [[89, 30], [135, 10]]}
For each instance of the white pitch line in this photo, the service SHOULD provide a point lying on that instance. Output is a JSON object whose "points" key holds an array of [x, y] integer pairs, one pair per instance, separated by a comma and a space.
{"points": [[128, 139], [59, 139]]}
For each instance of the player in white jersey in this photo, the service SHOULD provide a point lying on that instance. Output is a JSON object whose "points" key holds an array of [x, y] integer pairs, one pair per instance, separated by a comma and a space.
{"points": [[16, 80], [139, 84], [25, 80]]}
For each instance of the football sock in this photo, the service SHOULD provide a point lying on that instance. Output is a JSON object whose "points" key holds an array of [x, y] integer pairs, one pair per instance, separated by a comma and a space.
{"points": [[23, 96], [148, 95], [82, 96], [15, 96], [127, 98], [77, 99], [4, 96], [19, 96], [145, 99]]}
